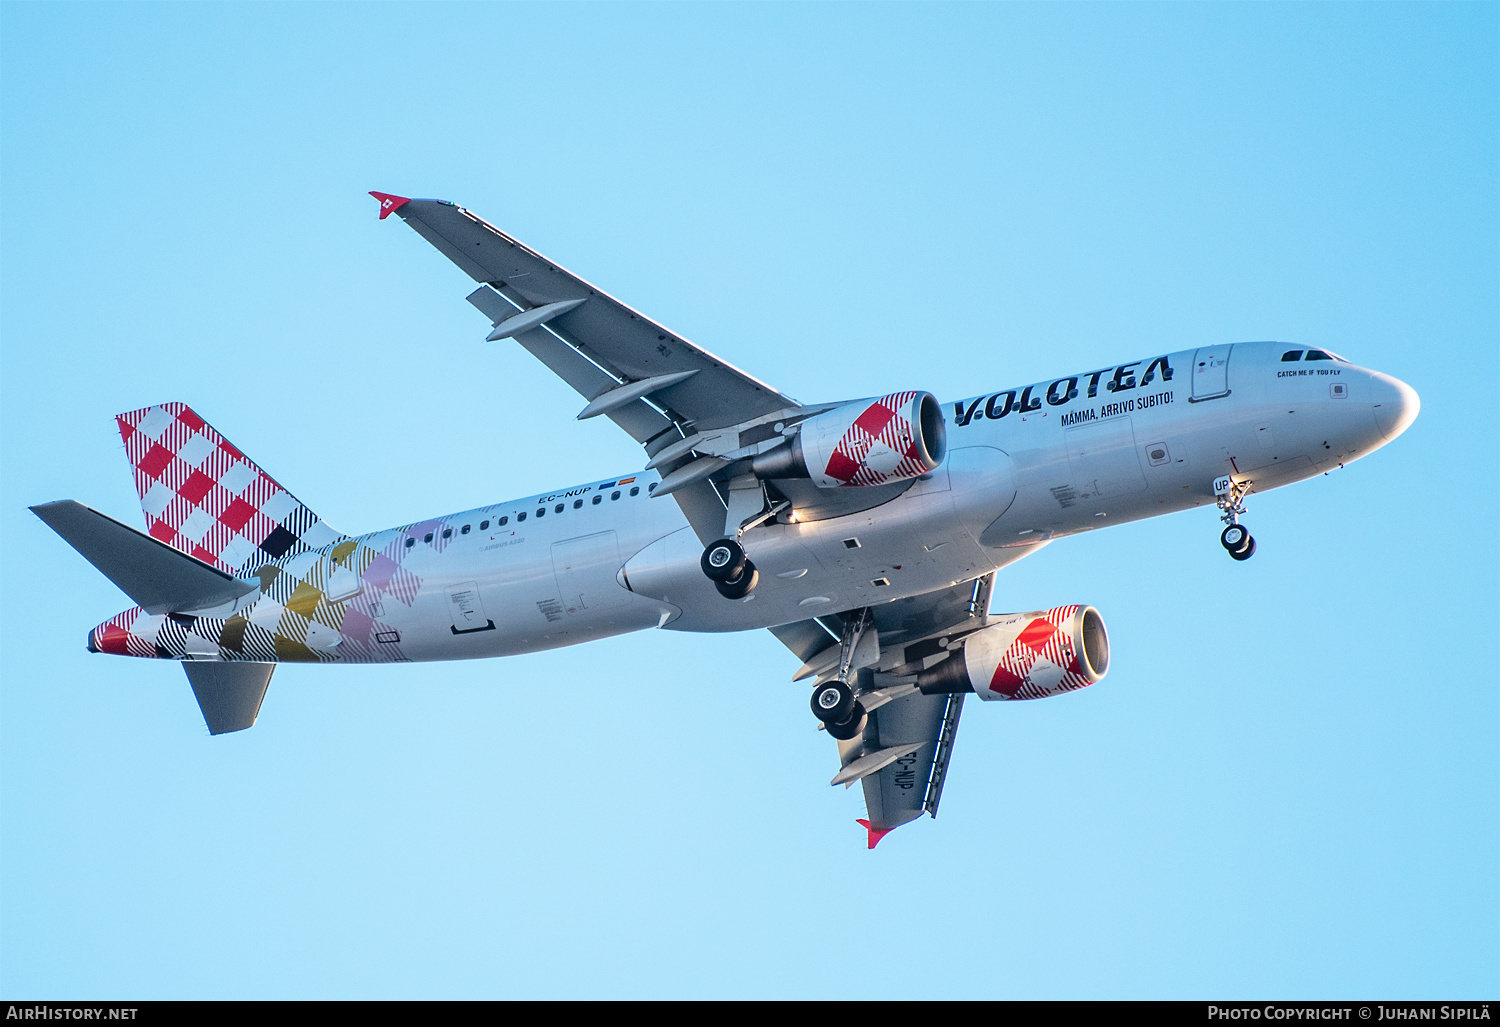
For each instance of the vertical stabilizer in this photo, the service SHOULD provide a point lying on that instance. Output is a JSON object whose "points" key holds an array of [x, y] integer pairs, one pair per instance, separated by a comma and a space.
{"points": [[205, 498]]}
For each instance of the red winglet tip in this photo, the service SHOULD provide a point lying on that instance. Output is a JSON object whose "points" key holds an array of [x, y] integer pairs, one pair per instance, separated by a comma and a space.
{"points": [[875, 835], [389, 202]]}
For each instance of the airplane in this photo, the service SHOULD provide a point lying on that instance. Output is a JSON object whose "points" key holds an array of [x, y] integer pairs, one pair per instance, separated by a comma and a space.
{"points": [[864, 534]]}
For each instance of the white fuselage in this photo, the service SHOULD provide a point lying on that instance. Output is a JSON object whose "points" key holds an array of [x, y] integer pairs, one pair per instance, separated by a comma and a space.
{"points": [[1024, 466]]}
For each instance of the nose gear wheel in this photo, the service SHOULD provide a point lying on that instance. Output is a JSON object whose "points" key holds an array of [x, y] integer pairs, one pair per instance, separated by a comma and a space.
{"points": [[1234, 538]]}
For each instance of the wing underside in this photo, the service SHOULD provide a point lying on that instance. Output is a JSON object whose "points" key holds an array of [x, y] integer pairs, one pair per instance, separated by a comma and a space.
{"points": [[900, 758]]}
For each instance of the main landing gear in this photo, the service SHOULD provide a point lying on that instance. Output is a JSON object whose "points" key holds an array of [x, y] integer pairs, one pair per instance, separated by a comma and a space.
{"points": [[833, 702], [1237, 542], [725, 564]]}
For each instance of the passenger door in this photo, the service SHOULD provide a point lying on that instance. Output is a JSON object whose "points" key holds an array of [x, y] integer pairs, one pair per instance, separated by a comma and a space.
{"points": [[1210, 373]]}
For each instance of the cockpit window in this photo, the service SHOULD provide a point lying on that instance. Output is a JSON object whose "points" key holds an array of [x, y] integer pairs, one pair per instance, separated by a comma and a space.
{"points": [[1317, 354], [1291, 355]]}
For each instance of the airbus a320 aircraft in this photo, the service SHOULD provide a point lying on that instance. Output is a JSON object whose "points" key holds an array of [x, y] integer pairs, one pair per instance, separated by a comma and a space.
{"points": [[865, 534]]}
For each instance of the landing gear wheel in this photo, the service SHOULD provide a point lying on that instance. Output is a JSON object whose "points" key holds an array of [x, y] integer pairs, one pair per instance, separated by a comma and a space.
{"points": [[740, 586], [1246, 552], [723, 560], [833, 701], [1234, 538], [850, 728]]}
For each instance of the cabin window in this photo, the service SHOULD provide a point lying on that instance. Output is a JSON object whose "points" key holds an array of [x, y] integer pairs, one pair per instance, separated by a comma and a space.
{"points": [[558, 508], [652, 486], [578, 504], [464, 530], [635, 491], [614, 495], [1317, 354], [484, 525], [447, 533], [1291, 355], [505, 520], [427, 537], [410, 542], [596, 500], [520, 516], [541, 511]]}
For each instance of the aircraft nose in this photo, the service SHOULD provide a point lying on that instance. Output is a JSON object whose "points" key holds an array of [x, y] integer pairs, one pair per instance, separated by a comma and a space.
{"points": [[1395, 404]]}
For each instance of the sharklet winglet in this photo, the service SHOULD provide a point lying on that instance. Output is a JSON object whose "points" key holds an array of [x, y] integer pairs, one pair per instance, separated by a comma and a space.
{"points": [[389, 203], [875, 835]]}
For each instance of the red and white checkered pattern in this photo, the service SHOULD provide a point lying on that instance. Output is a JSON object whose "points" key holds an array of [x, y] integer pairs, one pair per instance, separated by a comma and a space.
{"points": [[203, 496], [1029, 655], [127, 634], [867, 443]]}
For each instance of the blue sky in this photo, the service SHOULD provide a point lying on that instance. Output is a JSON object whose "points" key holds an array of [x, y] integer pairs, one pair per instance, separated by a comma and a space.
{"points": [[1289, 784]]}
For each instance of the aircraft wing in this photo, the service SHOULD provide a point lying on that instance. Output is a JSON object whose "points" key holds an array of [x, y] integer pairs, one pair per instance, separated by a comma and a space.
{"points": [[901, 758], [614, 356]]}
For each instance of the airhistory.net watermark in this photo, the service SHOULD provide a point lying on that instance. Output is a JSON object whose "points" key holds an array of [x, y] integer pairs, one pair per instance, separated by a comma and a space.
{"points": [[47, 1011]]}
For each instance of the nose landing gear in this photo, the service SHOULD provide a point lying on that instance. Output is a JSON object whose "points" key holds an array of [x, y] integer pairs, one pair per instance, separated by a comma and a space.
{"points": [[1228, 493], [1238, 542]]}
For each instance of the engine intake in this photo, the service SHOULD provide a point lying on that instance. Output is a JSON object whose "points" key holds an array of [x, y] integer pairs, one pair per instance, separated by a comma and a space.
{"points": [[868, 442], [1026, 656]]}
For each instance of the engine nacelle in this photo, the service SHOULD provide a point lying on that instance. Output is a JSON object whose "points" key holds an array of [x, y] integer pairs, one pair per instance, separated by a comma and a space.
{"points": [[1026, 656], [868, 442]]}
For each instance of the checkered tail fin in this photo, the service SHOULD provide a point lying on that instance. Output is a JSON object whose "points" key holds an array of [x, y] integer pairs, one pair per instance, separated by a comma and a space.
{"points": [[204, 497]]}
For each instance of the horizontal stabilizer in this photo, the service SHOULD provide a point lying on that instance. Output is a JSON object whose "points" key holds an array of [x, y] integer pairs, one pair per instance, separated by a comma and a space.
{"points": [[229, 694], [159, 578]]}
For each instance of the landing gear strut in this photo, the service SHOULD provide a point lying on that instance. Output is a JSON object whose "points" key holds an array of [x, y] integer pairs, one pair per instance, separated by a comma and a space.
{"points": [[1229, 494], [833, 702], [725, 561]]}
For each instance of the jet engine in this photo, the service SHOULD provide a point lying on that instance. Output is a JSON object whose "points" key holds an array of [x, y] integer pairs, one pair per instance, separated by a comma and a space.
{"points": [[867, 442], [1026, 656]]}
